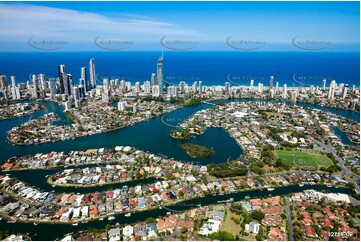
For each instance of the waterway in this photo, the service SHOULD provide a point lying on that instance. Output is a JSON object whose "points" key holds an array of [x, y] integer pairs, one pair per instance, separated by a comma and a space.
{"points": [[54, 231], [343, 136], [150, 135]]}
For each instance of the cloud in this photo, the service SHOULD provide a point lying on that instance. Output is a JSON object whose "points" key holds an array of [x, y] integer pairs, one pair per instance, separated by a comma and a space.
{"points": [[25, 20]]}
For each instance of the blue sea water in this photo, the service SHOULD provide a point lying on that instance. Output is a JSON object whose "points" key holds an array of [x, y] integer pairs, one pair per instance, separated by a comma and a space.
{"points": [[210, 67]]}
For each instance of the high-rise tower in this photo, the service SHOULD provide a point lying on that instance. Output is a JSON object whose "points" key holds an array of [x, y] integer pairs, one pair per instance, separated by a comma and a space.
{"points": [[93, 77], [160, 73]]}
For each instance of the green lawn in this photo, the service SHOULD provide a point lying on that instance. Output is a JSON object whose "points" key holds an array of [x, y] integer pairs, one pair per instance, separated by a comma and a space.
{"points": [[303, 159]]}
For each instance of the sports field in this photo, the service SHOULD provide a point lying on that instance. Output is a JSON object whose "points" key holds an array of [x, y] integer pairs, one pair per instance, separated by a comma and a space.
{"points": [[303, 159]]}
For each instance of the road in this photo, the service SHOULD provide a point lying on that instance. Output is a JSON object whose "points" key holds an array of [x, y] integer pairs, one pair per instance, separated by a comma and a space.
{"points": [[345, 170], [289, 218]]}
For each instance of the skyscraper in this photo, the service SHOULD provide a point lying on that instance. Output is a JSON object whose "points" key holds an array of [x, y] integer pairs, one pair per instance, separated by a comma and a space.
{"points": [[155, 91], [147, 87], [3, 82], [251, 85], [284, 93], [42, 82], [271, 80], [106, 86], [137, 87], [227, 86], [52, 86], [331, 91], [324, 84], [200, 87], [182, 86], [160, 73], [194, 87], [344, 91], [62, 78], [84, 79], [13, 85], [153, 79], [68, 85], [93, 77], [35, 88]]}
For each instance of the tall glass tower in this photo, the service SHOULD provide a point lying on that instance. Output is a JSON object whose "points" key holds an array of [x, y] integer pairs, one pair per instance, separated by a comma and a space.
{"points": [[93, 77], [160, 73]]}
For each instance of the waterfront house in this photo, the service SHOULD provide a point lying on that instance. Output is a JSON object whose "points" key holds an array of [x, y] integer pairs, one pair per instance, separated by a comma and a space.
{"points": [[93, 211], [114, 234], [185, 224], [140, 230], [151, 229], [128, 233]]}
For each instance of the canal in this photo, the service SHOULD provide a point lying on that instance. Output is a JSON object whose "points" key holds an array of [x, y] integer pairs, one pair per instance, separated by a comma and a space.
{"points": [[54, 231]]}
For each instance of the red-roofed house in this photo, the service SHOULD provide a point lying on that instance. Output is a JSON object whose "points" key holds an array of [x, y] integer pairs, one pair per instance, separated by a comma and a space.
{"points": [[275, 234], [310, 231]]}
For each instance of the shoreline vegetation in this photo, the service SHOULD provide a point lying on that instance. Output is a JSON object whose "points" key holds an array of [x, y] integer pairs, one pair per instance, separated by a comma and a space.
{"points": [[197, 151], [182, 134]]}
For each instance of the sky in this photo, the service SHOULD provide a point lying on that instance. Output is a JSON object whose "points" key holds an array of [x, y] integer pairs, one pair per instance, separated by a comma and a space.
{"points": [[116, 26]]}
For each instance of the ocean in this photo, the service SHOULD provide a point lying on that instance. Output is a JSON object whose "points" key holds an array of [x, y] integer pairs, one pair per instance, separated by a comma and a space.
{"points": [[213, 68]]}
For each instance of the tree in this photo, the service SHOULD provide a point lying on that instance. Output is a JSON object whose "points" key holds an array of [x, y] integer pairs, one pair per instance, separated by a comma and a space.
{"points": [[350, 185], [257, 215], [108, 227]]}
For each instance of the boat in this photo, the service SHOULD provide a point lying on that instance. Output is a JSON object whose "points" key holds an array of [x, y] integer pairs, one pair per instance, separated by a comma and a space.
{"points": [[76, 224], [168, 213], [301, 185], [329, 186], [101, 219], [199, 205], [1, 218], [270, 189], [11, 221], [128, 215], [36, 223], [160, 207], [111, 218], [247, 197], [84, 222]]}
